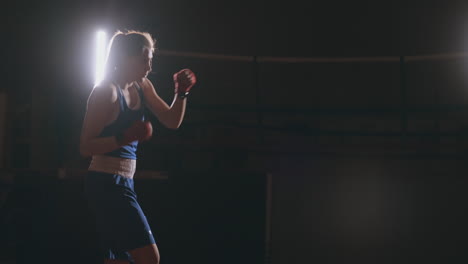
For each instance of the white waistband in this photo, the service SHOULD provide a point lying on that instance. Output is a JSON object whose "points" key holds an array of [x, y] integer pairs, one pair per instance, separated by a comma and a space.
{"points": [[113, 165]]}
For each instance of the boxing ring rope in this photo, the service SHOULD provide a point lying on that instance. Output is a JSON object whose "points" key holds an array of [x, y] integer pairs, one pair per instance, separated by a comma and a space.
{"points": [[210, 56], [401, 109]]}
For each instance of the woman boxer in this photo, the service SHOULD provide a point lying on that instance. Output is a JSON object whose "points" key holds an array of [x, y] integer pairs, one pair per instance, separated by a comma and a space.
{"points": [[113, 126]]}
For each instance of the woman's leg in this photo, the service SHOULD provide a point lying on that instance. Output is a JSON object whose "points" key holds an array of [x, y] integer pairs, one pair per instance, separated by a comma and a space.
{"points": [[146, 255]]}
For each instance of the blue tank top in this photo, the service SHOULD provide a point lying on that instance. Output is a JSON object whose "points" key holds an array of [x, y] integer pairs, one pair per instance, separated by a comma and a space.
{"points": [[124, 120]]}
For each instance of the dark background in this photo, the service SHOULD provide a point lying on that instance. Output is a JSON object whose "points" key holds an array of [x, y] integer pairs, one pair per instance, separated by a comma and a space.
{"points": [[367, 160]]}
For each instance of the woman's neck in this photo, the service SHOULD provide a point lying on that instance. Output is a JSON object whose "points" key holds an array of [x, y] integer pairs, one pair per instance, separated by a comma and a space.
{"points": [[123, 82]]}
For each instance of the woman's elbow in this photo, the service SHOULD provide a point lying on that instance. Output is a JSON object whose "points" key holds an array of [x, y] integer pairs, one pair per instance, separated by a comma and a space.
{"points": [[84, 152], [174, 125]]}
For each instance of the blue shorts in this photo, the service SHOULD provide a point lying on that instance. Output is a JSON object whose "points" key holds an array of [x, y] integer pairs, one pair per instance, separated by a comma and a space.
{"points": [[120, 221]]}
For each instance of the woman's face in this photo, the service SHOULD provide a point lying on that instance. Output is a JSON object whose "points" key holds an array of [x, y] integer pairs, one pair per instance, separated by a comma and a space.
{"points": [[138, 67]]}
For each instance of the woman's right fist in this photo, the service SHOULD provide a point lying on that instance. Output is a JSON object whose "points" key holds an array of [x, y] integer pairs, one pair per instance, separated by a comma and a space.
{"points": [[138, 131]]}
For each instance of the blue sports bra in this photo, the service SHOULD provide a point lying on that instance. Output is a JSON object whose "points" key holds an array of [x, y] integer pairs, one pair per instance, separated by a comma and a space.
{"points": [[124, 120]]}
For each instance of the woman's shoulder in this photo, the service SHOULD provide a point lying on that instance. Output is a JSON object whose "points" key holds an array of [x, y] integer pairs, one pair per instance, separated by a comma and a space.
{"points": [[106, 91], [106, 85]]}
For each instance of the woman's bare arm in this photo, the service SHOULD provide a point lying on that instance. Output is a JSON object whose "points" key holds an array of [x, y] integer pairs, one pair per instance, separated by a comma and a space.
{"points": [[169, 116], [101, 109]]}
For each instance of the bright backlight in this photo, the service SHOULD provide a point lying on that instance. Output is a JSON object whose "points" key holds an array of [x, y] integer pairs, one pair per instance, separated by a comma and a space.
{"points": [[100, 56]]}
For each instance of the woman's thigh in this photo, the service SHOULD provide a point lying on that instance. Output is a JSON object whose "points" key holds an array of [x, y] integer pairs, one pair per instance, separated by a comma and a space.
{"points": [[145, 255]]}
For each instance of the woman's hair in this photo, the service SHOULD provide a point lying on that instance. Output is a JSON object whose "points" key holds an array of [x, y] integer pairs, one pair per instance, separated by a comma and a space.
{"points": [[125, 44]]}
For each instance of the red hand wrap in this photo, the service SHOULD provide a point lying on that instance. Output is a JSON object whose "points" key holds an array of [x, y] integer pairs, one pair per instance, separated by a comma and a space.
{"points": [[139, 130], [184, 80]]}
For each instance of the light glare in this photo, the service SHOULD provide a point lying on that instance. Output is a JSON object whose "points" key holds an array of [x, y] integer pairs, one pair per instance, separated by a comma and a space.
{"points": [[100, 56]]}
